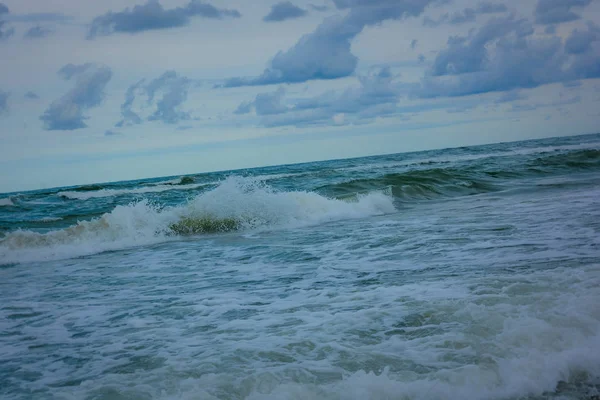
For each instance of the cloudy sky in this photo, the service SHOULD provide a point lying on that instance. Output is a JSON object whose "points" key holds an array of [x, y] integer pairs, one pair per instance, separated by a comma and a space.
{"points": [[94, 91]]}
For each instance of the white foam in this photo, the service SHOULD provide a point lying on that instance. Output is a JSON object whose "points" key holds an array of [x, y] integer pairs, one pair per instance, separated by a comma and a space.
{"points": [[74, 195], [6, 202], [253, 204]]}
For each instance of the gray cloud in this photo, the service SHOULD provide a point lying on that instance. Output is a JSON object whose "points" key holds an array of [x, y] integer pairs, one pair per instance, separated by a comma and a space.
{"points": [[66, 113], [510, 96], [172, 90], [580, 41], [503, 55], [557, 11], [376, 96], [535, 106], [31, 96], [413, 44], [488, 7], [318, 8], [284, 10], [3, 102], [152, 16], [325, 53], [466, 15], [130, 117], [175, 93], [40, 17], [5, 33], [37, 32], [3, 9], [109, 132]]}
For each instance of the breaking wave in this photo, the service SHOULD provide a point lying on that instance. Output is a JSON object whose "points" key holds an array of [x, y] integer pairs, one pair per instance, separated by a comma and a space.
{"points": [[6, 202], [235, 204]]}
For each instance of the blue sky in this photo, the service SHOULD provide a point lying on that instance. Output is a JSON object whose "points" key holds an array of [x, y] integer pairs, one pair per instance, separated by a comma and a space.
{"points": [[114, 90]]}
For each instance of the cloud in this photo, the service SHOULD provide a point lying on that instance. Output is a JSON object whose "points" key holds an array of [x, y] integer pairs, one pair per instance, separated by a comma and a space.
{"points": [[130, 117], [3, 102], [3, 9], [510, 96], [152, 15], [265, 104], [109, 132], [40, 17], [376, 96], [488, 7], [318, 8], [37, 32], [504, 54], [326, 52], [284, 10], [173, 91], [5, 33], [66, 113], [466, 15], [413, 44], [557, 11], [580, 41], [31, 96], [535, 106]]}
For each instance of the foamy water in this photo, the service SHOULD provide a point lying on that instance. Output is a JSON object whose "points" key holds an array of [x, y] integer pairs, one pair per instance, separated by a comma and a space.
{"points": [[487, 291]]}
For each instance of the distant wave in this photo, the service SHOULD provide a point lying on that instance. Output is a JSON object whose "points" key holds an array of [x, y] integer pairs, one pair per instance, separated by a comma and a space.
{"points": [[236, 203], [448, 159], [415, 185], [6, 202], [439, 182], [85, 195], [579, 159]]}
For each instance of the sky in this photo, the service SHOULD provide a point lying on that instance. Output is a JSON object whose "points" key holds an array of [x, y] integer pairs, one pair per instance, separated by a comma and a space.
{"points": [[115, 90]]}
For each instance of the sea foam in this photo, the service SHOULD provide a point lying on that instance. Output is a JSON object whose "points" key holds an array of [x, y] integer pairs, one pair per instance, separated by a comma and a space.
{"points": [[249, 203]]}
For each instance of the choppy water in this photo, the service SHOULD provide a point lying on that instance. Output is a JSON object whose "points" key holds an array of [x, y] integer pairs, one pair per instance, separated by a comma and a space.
{"points": [[469, 273]]}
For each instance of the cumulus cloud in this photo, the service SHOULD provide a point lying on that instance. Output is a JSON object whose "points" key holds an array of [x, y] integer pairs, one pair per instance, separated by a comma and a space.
{"points": [[504, 54], [466, 15], [37, 32], [557, 11], [284, 10], [376, 96], [325, 53], [152, 15], [3, 102], [66, 113], [171, 90]]}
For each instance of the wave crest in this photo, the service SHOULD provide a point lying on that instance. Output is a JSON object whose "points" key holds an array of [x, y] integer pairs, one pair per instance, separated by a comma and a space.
{"points": [[235, 204]]}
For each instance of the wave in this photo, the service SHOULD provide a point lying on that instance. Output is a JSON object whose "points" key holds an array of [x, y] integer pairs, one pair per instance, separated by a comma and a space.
{"points": [[236, 203], [86, 195], [415, 185], [6, 202], [579, 159]]}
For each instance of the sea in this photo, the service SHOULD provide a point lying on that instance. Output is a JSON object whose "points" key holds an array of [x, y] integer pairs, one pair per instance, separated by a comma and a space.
{"points": [[464, 273]]}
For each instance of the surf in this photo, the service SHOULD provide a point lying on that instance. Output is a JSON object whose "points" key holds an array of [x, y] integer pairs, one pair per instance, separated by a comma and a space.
{"points": [[236, 204]]}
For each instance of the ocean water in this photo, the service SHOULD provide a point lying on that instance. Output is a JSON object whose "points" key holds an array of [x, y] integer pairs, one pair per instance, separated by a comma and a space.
{"points": [[467, 273]]}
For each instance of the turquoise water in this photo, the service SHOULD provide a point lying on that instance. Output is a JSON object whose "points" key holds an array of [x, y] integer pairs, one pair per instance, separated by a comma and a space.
{"points": [[468, 273]]}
